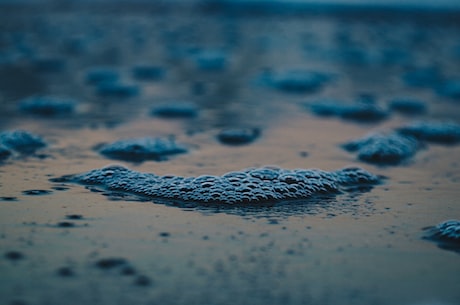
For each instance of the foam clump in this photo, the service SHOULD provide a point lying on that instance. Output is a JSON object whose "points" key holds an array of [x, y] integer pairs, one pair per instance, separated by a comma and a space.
{"points": [[175, 109], [361, 112], [47, 106], [449, 229], [383, 149], [20, 141], [256, 186], [439, 132], [327, 107], [402, 143], [408, 106], [299, 81], [142, 149], [446, 234], [107, 83], [238, 136]]}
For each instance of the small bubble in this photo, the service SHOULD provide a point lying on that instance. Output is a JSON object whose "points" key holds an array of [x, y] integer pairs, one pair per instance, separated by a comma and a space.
{"points": [[60, 188], [7, 198], [110, 263], [74, 216], [65, 224], [37, 192], [303, 154]]}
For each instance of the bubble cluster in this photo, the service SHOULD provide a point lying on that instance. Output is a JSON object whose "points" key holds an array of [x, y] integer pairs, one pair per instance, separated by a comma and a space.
{"points": [[439, 132], [175, 109], [20, 142], [408, 106], [404, 142], [299, 81], [141, 149], [238, 136], [446, 234], [47, 106], [253, 186], [384, 149], [361, 112], [449, 229]]}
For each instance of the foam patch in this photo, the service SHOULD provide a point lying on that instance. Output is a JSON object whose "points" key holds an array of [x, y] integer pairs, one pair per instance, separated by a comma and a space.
{"points": [[446, 234], [254, 186], [142, 149]]}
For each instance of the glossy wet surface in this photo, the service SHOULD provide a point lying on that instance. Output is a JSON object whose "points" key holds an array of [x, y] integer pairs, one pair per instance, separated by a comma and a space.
{"points": [[66, 243]]}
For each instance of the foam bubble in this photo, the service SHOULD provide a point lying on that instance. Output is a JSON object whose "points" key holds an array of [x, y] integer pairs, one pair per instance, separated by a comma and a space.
{"points": [[384, 149]]}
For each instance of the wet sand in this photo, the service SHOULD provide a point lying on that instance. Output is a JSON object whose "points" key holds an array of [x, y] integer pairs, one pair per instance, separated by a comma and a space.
{"points": [[363, 248]]}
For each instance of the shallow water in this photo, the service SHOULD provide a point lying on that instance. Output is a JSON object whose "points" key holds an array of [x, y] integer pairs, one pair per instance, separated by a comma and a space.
{"points": [[360, 248]]}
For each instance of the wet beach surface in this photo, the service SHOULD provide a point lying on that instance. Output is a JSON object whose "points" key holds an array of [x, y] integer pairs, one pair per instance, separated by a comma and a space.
{"points": [[191, 92]]}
